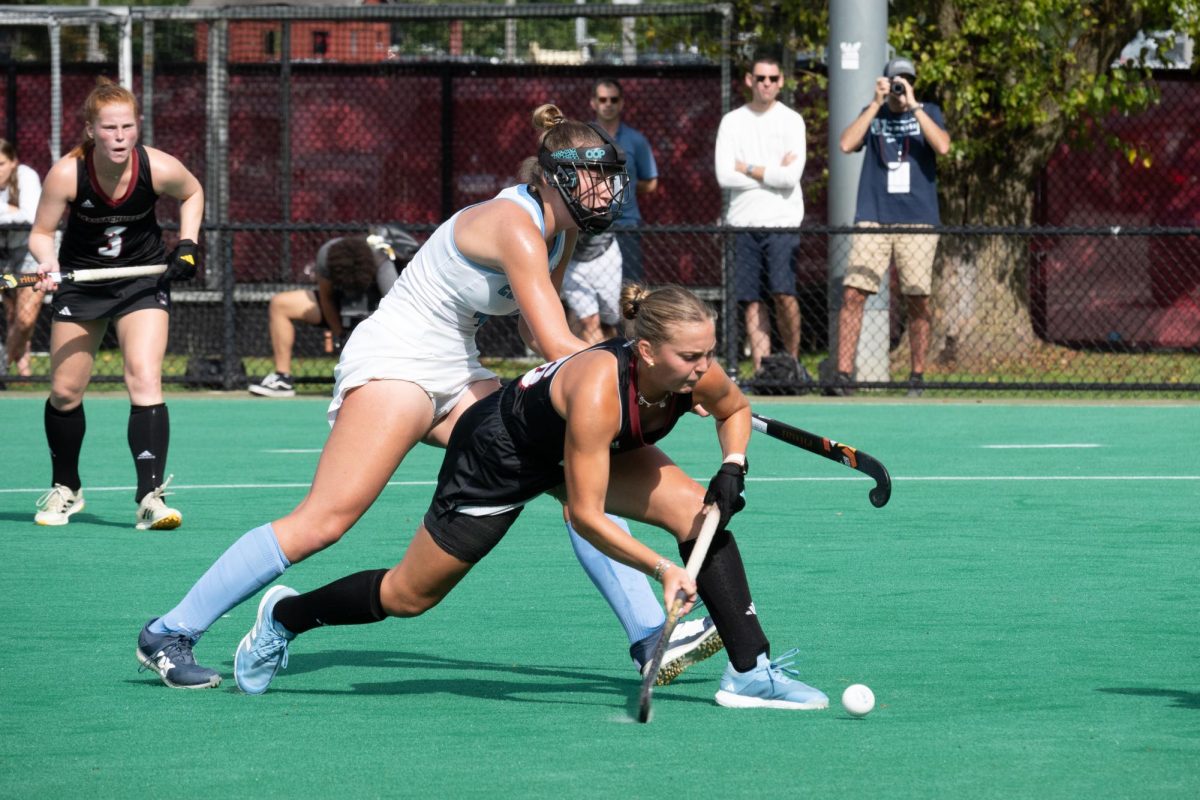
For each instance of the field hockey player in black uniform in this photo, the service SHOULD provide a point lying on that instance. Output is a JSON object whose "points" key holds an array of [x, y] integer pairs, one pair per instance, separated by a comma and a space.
{"points": [[108, 187], [583, 427]]}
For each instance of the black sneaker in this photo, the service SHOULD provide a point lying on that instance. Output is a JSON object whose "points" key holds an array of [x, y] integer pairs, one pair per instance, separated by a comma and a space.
{"points": [[916, 384], [840, 386], [170, 655], [276, 384]]}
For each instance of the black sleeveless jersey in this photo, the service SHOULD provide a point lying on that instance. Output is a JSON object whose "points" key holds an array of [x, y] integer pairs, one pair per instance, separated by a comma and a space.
{"points": [[508, 448], [103, 231], [535, 426]]}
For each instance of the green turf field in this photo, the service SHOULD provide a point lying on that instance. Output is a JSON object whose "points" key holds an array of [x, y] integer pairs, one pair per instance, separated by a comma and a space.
{"points": [[1027, 618]]}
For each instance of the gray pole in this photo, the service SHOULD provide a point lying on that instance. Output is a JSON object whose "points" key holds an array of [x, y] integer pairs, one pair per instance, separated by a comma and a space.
{"points": [[125, 53], [729, 324], [857, 53], [56, 111], [147, 135], [285, 148]]}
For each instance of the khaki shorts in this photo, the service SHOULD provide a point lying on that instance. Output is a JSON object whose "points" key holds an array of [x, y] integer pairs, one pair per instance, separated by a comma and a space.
{"points": [[594, 287], [871, 253]]}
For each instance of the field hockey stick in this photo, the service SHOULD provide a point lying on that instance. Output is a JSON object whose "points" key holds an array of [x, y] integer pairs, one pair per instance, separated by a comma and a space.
{"points": [[835, 451], [712, 519], [11, 281]]}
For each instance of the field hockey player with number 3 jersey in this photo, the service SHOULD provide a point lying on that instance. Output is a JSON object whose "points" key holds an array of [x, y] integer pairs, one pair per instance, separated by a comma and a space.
{"points": [[108, 187]]}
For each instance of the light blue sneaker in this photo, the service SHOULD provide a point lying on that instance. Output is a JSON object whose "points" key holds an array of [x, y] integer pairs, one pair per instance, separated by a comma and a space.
{"points": [[769, 685], [264, 649]]}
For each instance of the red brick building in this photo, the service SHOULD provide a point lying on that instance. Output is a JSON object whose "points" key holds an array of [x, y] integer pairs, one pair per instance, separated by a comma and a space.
{"points": [[343, 41]]}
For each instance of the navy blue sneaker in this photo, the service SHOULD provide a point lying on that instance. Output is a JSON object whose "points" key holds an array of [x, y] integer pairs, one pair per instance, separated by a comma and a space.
{"points": [[770, 684], [170, 655], [691, 642], [264, 650]]}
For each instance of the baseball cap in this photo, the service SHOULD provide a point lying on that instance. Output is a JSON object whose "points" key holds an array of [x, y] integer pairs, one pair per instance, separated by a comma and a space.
{"points": [[899, 66]]}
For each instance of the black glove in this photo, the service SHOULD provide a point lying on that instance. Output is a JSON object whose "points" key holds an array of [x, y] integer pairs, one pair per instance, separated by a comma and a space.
{"points": [[183, 261], [725, 489]]}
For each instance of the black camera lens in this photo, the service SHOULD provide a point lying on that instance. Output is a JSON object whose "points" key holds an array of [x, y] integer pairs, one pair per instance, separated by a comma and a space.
{"points": [[897, 87]]}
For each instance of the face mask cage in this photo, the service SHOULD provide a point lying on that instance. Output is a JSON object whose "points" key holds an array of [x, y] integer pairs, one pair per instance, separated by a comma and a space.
{"points": [[591, 180]]}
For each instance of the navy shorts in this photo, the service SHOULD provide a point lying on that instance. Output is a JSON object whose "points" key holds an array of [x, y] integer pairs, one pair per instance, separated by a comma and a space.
{"points": [[764, 264], [632, 269]]}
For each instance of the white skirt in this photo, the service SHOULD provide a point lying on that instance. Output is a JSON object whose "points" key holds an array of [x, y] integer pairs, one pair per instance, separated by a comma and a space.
{"points": [[372, 354]]}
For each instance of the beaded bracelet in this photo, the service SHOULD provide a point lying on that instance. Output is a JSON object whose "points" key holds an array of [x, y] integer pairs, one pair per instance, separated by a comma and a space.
{"points": [[661, 567]]}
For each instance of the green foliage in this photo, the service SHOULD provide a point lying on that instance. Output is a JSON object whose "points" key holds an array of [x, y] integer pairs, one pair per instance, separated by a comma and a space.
{"points": [[1027, 72]]}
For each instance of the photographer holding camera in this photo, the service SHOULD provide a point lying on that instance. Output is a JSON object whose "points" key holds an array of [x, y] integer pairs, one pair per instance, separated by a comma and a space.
{"points": [[898, 186]]}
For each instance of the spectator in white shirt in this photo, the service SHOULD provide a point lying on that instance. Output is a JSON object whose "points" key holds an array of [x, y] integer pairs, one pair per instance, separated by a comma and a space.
{"points": [[759, 159]]}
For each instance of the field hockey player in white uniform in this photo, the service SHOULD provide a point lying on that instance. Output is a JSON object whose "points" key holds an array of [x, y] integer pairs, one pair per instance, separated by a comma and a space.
{"points": [[410, 371]]}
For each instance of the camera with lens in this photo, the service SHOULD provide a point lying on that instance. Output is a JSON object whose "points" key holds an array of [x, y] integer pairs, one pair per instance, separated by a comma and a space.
{"points": [[898, 88]]}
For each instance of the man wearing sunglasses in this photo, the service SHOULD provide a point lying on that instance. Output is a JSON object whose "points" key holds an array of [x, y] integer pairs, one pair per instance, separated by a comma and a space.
{"points": [[608, 102], [759, 158]]}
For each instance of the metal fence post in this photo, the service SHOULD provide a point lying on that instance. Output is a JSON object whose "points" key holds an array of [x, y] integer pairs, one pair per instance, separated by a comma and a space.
{"points": [[857, 47], [285, 144], [55, 91], [729, 325], [147, 132]]}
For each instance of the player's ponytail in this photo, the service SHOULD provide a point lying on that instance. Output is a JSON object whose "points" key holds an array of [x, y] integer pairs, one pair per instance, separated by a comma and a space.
{"points": [[656, 313], [556, 132]]}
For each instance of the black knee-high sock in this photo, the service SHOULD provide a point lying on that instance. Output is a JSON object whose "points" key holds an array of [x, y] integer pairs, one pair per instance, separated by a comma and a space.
{"points": [[352, 600], [149, 436], [64, 434], [726, 594]]}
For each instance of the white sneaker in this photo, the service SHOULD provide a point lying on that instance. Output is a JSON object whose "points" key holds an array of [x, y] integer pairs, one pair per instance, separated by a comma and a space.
{"points": [[155, 515], [57, 505]]}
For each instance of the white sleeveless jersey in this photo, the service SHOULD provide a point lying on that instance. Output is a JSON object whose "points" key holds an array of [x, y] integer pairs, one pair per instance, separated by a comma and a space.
{"points": [[442, 297], [424, 329]]}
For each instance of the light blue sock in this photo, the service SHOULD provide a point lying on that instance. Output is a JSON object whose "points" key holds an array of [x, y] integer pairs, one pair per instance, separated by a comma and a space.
{"points": [[627, 591], [249, 564]]}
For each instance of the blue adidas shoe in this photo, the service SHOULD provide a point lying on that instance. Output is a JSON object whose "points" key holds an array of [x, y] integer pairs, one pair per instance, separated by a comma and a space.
{"points": [[170, 656], [770, 684], [264, 650]]}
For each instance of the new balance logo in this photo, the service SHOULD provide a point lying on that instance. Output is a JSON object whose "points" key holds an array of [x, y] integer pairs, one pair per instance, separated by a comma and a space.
{"points": [[145, 455], [750, 612], [87, 204]]}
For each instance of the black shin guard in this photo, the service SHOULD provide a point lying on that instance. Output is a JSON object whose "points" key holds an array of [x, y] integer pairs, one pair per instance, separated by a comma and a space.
{"points": [[149, 436], [726, 594], [352, 600], [64, 434]]}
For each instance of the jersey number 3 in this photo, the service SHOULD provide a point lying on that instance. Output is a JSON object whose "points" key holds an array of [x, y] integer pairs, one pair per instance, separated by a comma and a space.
{"points": [[113, 248]]}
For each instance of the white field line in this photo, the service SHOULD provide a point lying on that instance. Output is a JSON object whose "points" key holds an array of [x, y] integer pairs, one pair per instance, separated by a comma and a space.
{"points": [[1036, 446], [792, 479]]}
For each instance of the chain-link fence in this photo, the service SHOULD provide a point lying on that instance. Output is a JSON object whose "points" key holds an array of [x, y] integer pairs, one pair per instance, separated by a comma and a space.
{"points": [[402, 115]]}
